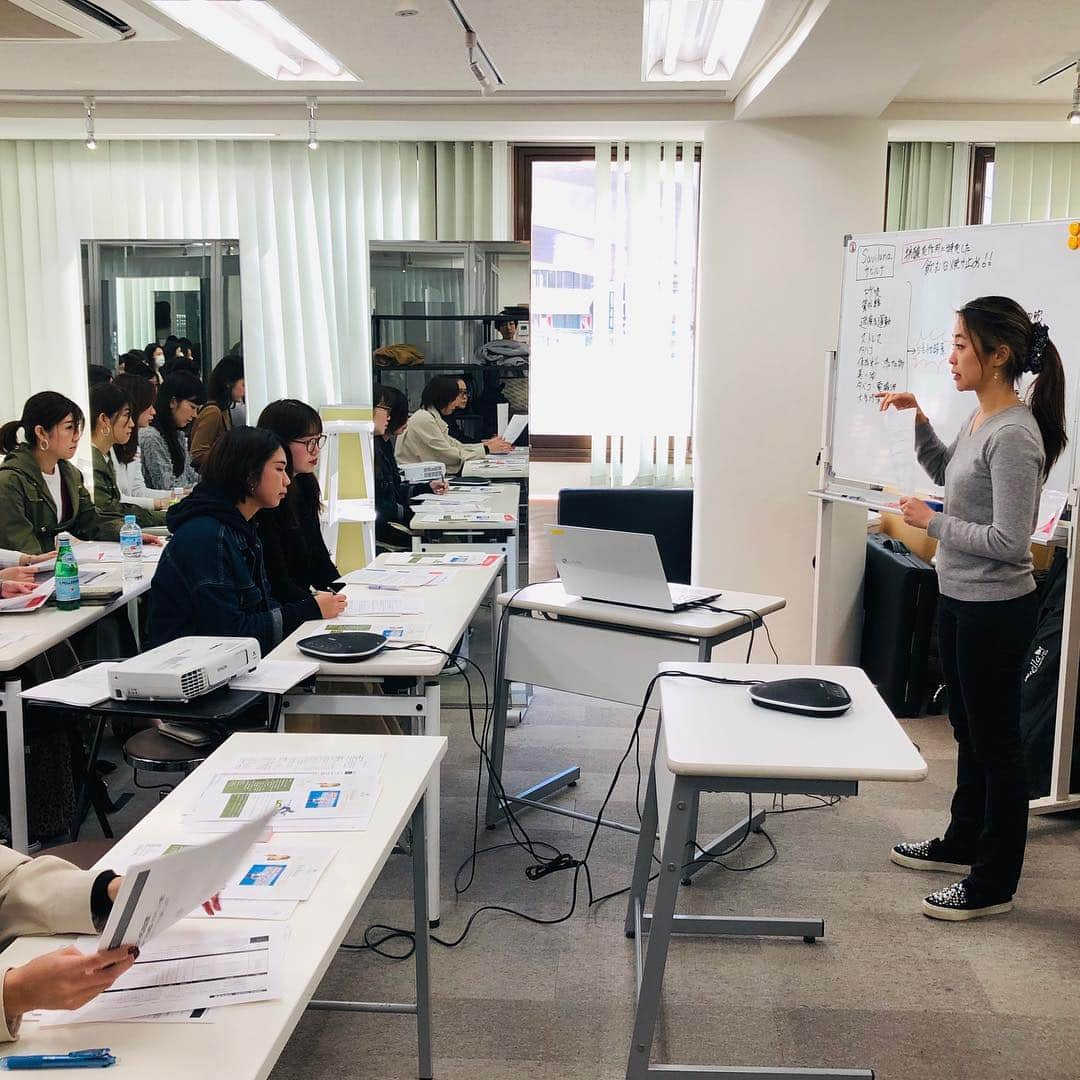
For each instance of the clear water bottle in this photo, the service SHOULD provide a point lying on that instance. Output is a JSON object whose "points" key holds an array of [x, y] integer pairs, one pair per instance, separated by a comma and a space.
{"points": [[131, 550], [66, 575]]}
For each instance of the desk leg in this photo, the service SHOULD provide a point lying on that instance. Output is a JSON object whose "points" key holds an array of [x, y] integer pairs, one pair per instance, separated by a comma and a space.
{"points": [[652, 975], [16, 751], [421, 934], [432, 726]]}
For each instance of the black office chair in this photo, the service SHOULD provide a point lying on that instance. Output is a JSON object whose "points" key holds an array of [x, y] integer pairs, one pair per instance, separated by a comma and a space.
{"points": [[666, 513], [151, 751]]}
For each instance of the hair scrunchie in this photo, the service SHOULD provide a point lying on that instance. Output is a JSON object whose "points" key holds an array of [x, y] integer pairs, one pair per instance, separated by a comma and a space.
{"points": [[1040, 338]]}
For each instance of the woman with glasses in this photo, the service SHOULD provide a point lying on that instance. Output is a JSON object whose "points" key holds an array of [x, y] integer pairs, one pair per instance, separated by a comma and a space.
{"points": [[428, 437], [392, 494], [297, 561]]}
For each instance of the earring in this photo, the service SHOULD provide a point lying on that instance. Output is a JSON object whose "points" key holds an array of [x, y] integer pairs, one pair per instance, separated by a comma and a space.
{"points": [[43, 446]]}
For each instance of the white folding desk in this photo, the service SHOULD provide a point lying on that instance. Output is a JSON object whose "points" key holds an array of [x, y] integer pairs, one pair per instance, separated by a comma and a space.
{"points": [[448, 611], [455, 533], [39, 631], [554, 639], [245, 1041], [713, 738], [512, 466]]}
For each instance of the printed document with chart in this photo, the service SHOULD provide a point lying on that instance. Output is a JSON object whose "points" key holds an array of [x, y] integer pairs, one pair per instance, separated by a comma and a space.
{"points": [[300, 792]]}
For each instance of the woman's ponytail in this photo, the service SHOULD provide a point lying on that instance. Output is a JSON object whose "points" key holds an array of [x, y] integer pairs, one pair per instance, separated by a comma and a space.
{"points": [[9, 436], [1047, 397]]}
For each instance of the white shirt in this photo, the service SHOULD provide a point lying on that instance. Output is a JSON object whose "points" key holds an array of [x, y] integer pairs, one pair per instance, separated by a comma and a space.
{"points": [[55, 486], [132, 483], [9, 558]]}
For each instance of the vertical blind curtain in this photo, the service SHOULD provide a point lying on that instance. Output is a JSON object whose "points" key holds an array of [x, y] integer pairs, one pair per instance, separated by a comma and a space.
{"points": [[303, 220], [920, 185], [642, 356], [1035, 182]]}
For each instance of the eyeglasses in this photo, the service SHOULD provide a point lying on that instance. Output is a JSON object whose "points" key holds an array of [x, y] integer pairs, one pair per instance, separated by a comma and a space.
{"points": [[385, 408], [311, 445]]}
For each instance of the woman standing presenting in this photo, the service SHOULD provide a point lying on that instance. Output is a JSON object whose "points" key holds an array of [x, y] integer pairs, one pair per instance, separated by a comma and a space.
{"points": [[992, 473]]}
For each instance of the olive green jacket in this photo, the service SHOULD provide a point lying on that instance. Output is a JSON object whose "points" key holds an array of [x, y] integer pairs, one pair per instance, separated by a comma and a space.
{"points": [[108, 497], [28, 519]]}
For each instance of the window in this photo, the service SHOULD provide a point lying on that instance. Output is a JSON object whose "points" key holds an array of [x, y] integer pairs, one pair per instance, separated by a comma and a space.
{"points": [[982, 185], [594, 349]]}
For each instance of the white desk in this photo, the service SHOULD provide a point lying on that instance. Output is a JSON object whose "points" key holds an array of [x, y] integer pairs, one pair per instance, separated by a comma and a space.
{"points": [[512, 466], [599, 650], [713, 738], [455, 533], [246, 1040], [40, 631], [448, 611]]}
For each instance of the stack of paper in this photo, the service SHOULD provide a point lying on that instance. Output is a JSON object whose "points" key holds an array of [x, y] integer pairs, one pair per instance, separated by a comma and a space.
{"points": [[484, 518], [106, 552], [85, 688], [275, 676], [377, 578], [31, 601], [385, 604], [396, 631]]}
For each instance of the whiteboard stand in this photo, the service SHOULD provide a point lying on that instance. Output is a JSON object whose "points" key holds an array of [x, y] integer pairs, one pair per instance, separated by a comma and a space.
{"points": [[839, 558]]}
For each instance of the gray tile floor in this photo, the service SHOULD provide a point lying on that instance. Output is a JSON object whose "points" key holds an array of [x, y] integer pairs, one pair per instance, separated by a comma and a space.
{"points": [[886, 988]]}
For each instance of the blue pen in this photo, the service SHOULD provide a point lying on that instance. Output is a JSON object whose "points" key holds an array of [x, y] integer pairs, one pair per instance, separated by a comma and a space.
{"points": [[935, 505], [101, 1058]]}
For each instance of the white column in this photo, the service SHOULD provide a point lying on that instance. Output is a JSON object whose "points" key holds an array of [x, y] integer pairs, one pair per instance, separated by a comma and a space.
{"points": [[776, 201]]}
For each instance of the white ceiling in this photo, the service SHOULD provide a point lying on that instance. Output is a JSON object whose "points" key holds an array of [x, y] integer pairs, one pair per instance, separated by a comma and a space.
{"points": [[569, 64]]}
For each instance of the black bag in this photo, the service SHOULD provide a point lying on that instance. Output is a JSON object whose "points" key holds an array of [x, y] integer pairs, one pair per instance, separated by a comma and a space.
{"points": [[899, 601], [1038, 693]]}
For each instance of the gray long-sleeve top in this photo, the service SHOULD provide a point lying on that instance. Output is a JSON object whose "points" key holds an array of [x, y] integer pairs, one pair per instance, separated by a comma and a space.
{"points": [[993, 478]]}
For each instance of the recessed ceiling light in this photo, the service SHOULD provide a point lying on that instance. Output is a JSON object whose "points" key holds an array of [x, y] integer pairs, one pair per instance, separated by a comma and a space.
{"points": [[696, 40], [257, 33]]}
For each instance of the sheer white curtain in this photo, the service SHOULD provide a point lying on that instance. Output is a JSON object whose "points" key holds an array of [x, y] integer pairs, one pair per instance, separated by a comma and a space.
{"points": [[919, 195], [641, 364], [303, 220]]}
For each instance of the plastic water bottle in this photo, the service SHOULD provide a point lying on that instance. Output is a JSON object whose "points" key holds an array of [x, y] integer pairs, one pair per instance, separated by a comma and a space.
{"points": [[131, 550], [66, 575]]}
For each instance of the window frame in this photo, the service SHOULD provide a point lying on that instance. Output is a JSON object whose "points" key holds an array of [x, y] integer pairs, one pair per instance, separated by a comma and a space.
{"points": [[982, 154]]}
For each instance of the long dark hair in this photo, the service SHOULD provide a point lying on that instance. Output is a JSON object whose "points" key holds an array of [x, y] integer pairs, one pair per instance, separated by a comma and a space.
{"points": [[235, 463], [45, 410], [141, 393], [291, 419], [133, 362], [996, 321], [179, 386], [228, 371]]}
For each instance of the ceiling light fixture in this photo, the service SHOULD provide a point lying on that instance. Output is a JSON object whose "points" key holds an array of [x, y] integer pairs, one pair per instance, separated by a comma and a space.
{"points": [[696, 40], [91, 142], [313, 123], [1074, 112], [255, 32], [406, 9], [478, 58]]}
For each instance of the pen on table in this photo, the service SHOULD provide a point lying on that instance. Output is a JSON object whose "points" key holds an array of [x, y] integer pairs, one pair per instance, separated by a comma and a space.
{"points": [[99, 1058]]}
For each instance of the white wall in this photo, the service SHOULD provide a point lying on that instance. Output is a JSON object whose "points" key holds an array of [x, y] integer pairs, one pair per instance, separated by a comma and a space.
{"points": [[776, 201]]}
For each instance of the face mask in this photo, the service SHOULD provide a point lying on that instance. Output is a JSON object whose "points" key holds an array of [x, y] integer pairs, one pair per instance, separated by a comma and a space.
{"points": [[159, 361]]}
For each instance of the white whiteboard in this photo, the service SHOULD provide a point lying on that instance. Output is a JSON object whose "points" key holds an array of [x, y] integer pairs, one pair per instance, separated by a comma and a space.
{"points": [[900, 294]]}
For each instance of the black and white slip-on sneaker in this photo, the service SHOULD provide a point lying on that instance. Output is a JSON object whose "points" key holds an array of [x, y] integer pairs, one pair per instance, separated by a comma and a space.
{"points": [[958, 902], [927, 855]]}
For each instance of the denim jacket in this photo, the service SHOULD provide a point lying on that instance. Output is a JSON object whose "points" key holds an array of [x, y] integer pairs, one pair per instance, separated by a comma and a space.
{"points": [[211, 579]]}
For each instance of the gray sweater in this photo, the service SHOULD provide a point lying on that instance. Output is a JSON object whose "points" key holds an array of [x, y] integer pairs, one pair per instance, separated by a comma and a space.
{"points": [[992, 482], [157, 465]]}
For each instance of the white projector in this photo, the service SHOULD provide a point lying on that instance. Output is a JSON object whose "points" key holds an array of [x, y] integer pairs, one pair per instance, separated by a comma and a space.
{"points": [[420, 472], [186, 668]]}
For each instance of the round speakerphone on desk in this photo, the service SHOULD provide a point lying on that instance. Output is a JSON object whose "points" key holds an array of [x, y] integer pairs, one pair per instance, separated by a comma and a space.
{"points": [[348, 647], [807, 697]]}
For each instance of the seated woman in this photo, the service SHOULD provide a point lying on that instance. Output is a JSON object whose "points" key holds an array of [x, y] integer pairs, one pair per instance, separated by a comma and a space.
{"points": [[211, 580], [428, 438], [47, 895], [41, 492], [296, 557], [110, 410], [392, 494], [126, 457], [166, 460], [224, 392]]}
